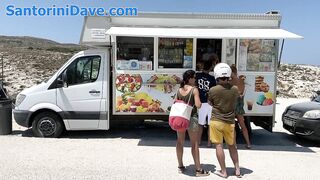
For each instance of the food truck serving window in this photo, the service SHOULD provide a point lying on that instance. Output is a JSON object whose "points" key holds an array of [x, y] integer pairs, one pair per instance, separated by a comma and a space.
{"points": [[175, 53], [134, 53], [257, 55]]}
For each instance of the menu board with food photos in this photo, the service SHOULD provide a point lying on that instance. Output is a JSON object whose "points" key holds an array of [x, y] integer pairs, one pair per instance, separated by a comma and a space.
{"points": [[259, 96], [257, 55], [145, 93], [231, 51]]}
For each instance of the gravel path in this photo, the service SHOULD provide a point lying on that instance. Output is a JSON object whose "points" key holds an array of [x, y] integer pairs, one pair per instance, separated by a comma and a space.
{"points": [[148, 152]]}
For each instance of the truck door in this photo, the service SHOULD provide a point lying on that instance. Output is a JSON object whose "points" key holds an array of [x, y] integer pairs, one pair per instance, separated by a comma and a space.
{"points": [[81, 97]]}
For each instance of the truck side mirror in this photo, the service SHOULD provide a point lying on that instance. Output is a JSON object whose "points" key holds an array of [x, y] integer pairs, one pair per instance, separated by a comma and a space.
{"points": [[59, 83], [62, 80]]}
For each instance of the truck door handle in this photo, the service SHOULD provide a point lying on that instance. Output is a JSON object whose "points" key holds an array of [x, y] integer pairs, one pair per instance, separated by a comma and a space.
{"points": [[94, 92]]}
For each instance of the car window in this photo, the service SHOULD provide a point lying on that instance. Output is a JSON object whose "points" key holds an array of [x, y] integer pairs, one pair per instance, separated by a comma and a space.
{"points": [[83, 70]]}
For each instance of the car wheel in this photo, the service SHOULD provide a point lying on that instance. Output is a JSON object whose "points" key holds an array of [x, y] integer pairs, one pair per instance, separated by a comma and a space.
{"points": [[47, 124]]}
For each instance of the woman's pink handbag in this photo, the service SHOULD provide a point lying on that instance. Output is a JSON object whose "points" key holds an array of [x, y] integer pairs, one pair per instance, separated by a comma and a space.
{"points": [[180, 114]]}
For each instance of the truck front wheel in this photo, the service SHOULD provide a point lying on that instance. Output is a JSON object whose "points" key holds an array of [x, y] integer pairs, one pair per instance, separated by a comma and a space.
{"points": [[47, 124]]}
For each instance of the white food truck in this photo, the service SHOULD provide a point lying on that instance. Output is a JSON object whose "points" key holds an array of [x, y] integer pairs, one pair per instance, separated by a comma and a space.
{"points": [[136, 63]]}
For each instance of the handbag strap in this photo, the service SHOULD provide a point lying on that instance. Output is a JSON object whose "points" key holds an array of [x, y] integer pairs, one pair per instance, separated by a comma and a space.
{"points": [[191, 92], [176, 95]]}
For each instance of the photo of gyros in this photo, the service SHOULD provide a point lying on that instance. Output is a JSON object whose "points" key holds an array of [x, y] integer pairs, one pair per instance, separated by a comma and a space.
{"points": [[163, 82]]}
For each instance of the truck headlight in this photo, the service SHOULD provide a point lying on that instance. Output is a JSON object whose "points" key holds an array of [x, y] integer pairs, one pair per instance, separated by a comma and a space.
{"points": [[19, 99], [313, 114]]}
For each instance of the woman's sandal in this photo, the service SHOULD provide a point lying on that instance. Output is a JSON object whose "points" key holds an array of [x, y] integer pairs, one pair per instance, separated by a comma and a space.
{"points": [[238, 175], [202, 172], [181, 169]]}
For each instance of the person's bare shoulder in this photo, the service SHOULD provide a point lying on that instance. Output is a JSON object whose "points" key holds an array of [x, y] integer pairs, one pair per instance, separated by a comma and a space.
{"points": [[195, 90]]}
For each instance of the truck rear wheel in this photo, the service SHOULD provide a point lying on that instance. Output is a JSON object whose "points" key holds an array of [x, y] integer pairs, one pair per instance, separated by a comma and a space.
{"points": [[47, 124]]}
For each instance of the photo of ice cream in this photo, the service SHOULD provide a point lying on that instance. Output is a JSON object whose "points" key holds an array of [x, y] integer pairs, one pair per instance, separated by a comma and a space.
{"points": [[265, 99], [259, 96]]}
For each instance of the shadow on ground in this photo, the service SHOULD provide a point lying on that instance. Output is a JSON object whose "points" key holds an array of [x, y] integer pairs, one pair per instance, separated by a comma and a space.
{"points": [[190, 170], [158, 133]]}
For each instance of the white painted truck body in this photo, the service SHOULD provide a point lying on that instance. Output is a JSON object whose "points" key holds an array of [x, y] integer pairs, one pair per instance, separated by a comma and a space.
{"points": [[91, 104]]}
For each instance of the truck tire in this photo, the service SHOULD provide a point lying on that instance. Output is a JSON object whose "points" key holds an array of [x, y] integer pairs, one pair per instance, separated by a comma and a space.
{"points": [[47, 124]]}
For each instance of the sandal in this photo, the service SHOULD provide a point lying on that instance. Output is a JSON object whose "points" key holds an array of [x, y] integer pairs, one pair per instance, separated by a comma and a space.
{"points": [[238, 175], [202, 172], [181, 169]]}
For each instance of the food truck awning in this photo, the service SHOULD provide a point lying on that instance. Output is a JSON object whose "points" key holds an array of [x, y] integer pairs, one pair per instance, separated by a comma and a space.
{"points": [[203, 33]]}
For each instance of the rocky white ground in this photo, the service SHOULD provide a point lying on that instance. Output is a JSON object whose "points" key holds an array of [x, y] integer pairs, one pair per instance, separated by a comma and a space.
{"points": [[298, 80], [28, 61]]}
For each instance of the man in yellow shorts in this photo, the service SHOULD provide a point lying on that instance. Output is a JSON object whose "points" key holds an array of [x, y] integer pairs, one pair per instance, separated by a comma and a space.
{"points": [[222, 97]]}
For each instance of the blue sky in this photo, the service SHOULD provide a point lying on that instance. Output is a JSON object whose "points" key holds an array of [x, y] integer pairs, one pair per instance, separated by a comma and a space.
{"points": [[300, 17]]}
